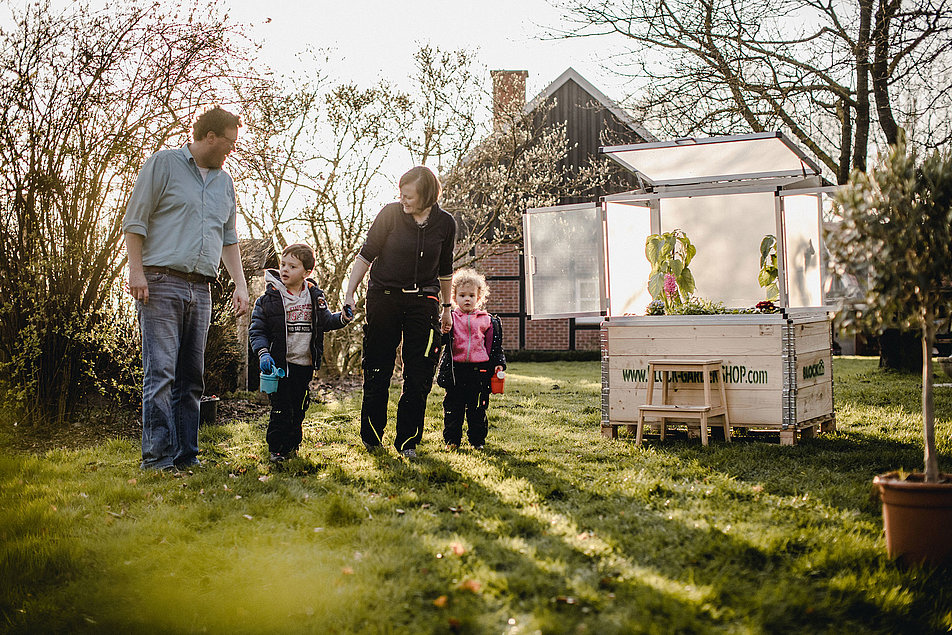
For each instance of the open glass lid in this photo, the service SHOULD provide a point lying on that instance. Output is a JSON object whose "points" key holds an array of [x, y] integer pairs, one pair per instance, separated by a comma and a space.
{"points": [[708, 160]]}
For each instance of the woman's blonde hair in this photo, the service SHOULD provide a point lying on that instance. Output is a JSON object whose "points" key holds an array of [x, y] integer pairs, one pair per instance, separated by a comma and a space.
{"points": [[468, 275]]}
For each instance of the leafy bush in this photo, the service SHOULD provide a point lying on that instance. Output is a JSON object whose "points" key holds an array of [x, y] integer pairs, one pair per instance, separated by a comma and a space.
{"points": [[897, 220]]}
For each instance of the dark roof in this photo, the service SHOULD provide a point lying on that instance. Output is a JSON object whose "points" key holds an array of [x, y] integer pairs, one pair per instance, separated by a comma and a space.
{"points": [[571, 75]]}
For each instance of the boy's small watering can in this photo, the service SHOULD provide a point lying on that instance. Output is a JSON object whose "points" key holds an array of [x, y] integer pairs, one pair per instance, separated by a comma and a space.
{"points": [[269, 382]]}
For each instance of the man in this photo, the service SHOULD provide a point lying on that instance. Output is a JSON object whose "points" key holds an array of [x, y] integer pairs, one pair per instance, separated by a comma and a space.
{"points": [[179, 224]]}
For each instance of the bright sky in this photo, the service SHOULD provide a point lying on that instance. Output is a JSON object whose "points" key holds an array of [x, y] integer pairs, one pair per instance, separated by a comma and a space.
{"points": [[372, 40], [376, 39]]}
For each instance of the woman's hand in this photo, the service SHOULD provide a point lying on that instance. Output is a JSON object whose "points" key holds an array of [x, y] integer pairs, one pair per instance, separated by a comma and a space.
{"points": [[446, 320]]}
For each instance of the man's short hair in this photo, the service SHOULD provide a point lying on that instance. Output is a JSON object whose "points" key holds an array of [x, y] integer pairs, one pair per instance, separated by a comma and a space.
{"points": [[302, 252], [215, 119], [427, 185]]}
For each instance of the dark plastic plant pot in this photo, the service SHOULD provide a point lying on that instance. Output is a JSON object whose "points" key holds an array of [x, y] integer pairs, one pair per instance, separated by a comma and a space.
{"points": [[209, 411], [917, 517], [946, 364]]}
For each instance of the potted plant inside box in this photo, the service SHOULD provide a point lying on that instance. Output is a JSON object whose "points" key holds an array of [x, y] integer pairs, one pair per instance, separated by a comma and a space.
{"points": [[898, 219]]}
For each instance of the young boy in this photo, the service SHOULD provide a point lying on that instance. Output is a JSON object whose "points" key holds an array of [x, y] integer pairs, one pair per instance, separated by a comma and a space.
{"points": [[287, 330], [471, 355]]}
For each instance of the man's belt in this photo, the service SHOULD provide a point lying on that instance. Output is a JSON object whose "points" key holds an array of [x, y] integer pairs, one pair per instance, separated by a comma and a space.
{"points": [[188, 277]]}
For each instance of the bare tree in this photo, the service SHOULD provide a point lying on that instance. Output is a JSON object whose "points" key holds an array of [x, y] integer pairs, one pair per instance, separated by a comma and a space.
{"points": [[311, 165], [827, 72], [489, 177], [279, 145], [519, 166], [361, 132], [442, 121], [85, 97]]}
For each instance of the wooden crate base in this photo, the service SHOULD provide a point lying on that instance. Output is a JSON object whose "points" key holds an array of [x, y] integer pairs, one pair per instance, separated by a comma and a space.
{"points": [[804, 430]]}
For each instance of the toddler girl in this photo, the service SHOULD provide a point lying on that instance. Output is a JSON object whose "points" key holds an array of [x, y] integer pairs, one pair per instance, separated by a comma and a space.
{"points": [[471, 355]]}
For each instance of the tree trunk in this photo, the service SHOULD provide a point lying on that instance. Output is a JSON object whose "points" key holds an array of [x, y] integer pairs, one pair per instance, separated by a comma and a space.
{"points": [[880, 70], [861, 141], [846, 135], [928, 411], [900, 350]]}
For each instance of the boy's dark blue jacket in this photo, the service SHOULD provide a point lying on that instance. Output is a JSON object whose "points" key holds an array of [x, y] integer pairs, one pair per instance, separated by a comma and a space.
{"points": [[269, 331]]}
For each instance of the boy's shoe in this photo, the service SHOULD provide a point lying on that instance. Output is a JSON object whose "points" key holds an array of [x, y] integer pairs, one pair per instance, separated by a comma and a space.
{"points": [[479, 447], [450, 447], [410, 453], [277, 457]]}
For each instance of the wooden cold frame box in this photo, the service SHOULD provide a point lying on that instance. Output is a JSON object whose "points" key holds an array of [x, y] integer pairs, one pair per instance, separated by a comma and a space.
{"points": [[777, 367], [587, 261]]}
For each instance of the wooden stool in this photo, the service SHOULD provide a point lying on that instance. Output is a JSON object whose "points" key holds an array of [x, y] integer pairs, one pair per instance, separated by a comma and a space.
{"points": [[664, 410]]}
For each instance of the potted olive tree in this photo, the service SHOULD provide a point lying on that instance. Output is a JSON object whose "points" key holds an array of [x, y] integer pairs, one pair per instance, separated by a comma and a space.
{"points": [[897, 218]]}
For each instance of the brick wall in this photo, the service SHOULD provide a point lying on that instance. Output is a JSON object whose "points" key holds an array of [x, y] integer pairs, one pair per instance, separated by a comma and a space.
{"points": [[552, 335], [587, 339]]}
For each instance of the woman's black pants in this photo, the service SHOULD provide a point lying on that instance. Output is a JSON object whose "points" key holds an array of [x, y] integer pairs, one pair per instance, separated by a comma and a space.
{"points": [[391, 316]]}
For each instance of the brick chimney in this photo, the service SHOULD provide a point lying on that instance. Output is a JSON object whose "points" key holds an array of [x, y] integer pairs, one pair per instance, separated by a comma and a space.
{"points": [[509, 96]]}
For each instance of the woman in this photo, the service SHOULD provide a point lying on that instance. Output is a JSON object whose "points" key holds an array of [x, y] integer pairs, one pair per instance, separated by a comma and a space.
{"points": [[409, 253]]}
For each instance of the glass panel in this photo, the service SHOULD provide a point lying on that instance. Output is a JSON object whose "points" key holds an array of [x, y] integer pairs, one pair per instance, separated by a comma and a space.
{"points": [[802, 223], [564, 251], [628, 226], [704, 160], [727, 231]]}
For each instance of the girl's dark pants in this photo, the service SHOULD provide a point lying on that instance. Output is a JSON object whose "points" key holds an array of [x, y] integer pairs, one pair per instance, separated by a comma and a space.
{"points": [[469, 396], [392, 315], [288, 405]]}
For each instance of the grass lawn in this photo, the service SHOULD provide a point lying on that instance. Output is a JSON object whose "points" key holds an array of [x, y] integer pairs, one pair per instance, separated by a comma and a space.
{"points": [[551, 529]]}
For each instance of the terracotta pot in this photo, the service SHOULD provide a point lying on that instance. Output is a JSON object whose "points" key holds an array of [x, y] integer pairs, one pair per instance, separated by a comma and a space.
{"points": [[917, 517]]}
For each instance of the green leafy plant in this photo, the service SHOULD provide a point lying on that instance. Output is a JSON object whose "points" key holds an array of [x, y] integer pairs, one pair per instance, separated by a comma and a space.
{"points": [[898, 219], [671, 280], [655, 307], [768, 267], [700, 306]]}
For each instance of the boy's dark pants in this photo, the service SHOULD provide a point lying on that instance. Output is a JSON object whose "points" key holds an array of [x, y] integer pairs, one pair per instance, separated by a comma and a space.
{"points": [[470, 398], [288, 405], [392, 315]]}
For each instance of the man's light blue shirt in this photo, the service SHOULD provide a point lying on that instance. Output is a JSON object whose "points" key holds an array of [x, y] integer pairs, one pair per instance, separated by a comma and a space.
{"points": [[184, 219]]}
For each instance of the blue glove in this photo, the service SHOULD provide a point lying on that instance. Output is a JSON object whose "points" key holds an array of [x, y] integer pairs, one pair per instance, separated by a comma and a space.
{"points": [[266, 363]]}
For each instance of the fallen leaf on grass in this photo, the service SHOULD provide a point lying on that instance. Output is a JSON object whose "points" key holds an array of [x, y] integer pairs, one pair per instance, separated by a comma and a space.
{"points": [[132, 481], [458, 549], [248, 517], [264, 478], [441, 601], [347, 571], [400, 511], [470, 585], [566, 599]]}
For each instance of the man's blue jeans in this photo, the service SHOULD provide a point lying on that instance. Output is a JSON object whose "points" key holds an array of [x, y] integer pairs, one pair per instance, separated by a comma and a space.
{"points": [[174, 326]]}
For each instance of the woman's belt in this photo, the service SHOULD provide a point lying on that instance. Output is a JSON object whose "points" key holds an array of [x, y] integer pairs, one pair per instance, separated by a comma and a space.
{"points": [[414, 290]]}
